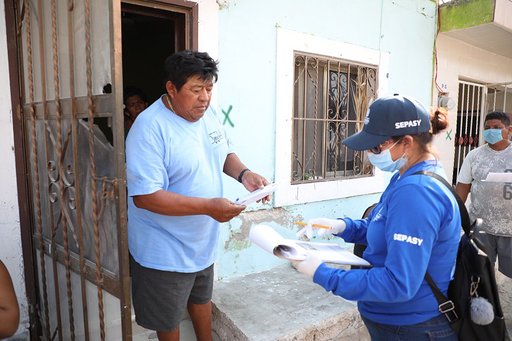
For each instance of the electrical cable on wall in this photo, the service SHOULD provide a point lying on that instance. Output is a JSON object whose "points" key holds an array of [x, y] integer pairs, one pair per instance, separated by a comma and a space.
{"points": [[439, 89]]}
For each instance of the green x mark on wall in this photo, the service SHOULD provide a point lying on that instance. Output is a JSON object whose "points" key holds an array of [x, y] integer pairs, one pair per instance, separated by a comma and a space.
{"points": [[226, 116]]}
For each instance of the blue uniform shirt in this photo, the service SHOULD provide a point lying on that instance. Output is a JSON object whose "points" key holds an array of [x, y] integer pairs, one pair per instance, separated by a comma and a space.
{"points": [[166, 152], [414, 228]]}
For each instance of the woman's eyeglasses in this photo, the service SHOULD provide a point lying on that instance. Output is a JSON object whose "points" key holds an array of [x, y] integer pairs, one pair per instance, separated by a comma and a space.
{"points": [[375, 150], [378, 149]]}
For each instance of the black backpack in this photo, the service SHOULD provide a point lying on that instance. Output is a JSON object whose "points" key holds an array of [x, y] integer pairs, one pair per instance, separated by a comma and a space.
{"points": [[474, 277]]}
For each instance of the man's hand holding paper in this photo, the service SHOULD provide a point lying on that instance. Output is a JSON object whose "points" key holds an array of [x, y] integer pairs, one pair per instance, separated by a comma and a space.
{"points": [[263, 195]]}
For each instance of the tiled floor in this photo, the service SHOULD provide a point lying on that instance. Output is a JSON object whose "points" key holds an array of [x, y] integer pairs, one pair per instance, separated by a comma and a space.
{"points": [[141, 334], [186, 332]]}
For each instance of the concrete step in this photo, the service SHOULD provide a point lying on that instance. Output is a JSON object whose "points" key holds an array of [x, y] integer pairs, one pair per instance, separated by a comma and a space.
{"points": [[281, 304]]}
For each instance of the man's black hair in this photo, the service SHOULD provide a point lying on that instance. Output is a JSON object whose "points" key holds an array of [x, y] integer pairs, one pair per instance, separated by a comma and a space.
{"points": [[180, 66], [498, 115], [130, 91]]}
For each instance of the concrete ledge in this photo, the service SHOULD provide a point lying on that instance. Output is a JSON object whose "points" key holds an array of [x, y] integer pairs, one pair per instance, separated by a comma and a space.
{"points": [[282, 304]]}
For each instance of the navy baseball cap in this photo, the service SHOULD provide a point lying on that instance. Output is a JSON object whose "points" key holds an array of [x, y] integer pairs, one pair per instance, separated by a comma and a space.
{"points": [[387, 117]]}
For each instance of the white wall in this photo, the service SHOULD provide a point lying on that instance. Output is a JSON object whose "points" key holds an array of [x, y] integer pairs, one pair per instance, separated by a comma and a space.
{"points": [[208, 27], [503, 13], [251, 69], [10, 236], [461, 61]]}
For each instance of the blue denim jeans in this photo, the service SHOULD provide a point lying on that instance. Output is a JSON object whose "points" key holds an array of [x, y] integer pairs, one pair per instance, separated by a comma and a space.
{"points": [[436, 328]]}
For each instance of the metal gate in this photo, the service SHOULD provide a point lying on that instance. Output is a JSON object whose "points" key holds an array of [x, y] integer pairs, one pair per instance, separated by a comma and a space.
{"points": [[499, 97], [474, 102], [65, 64], [72, 136]]}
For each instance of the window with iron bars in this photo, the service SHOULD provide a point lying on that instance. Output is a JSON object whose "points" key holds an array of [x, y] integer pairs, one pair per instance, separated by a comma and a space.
{"points": [[331, 98]]}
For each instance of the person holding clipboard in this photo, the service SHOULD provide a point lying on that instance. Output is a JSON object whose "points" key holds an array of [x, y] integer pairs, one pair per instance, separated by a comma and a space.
{"points": [[413, 229]]}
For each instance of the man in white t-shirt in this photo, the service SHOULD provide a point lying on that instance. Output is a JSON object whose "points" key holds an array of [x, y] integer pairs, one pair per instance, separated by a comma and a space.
{"points": [[491, 201], [176, 152]]}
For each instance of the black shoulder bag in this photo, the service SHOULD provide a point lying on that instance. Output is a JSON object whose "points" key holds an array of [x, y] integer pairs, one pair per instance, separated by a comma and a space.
{"points": [[474, 277]]}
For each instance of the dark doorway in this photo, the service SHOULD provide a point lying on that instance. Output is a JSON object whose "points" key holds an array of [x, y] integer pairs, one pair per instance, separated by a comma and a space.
{"points": [[149, 36]]}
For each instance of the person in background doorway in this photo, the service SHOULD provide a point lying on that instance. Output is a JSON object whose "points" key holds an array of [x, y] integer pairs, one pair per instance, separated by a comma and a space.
{"points": [[491, 201], [9, 309], [135, 102], [176, 152], [414, 229]]}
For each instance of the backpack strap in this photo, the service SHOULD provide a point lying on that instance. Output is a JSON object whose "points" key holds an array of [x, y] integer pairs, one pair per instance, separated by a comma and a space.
{"points": [[464, 215], [446, 306]]}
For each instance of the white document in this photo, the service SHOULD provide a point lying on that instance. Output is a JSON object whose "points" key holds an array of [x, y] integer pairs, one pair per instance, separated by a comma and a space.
{"points": [[269, 240], [498, 177], [256, 195]]}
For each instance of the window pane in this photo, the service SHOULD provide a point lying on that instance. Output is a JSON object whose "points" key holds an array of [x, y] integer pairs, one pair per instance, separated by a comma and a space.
{"points": [[330, 102]]}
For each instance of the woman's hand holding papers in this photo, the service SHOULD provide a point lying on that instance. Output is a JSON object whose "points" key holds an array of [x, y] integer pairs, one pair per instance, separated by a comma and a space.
{"points": [[307, 266], [321, 227]]}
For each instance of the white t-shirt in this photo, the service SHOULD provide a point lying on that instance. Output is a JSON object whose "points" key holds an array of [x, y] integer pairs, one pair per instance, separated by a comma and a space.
{"points": [[490, 201], [166, 152]]}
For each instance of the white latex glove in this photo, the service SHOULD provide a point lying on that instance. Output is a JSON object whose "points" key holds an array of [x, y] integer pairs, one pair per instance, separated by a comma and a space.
{"points": [[307, 266], [322, 226]]}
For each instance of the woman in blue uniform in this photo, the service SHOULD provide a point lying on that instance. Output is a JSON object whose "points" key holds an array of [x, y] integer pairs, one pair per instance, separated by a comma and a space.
{"points": [[414, 228]]}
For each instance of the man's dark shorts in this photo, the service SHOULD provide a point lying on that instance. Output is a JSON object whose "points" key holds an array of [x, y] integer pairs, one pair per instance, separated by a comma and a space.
{"points": [[499, 247], [160, 298]]}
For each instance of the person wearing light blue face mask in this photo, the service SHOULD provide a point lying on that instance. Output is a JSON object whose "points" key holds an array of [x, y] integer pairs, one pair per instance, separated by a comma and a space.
{"points": [[493, 136], [413, 229], [384, 161], [491, 201]]}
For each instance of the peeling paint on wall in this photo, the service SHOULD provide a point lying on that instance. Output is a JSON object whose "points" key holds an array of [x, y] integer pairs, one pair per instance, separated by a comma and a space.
{"points": [[238, 256], [238, 238], [223, 4]]}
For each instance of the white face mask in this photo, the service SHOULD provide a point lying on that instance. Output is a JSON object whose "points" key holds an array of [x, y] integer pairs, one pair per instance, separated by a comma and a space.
{"points": [[384, 162]]}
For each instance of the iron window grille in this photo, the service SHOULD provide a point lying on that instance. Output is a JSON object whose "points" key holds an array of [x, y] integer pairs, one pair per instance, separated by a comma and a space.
{"points": [[330, 101]]}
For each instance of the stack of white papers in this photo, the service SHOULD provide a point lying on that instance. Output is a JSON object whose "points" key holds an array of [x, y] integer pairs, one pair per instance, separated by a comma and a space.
{"points": [[498, 177], [269, 240], [256, 195]]}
